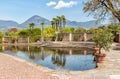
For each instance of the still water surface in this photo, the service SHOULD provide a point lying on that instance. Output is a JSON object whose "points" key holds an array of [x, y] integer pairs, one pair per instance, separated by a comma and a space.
{"points": [[55, 58]]}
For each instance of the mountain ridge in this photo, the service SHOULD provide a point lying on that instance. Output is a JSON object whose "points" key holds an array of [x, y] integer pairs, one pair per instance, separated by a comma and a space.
{"points": [[37, 19]]}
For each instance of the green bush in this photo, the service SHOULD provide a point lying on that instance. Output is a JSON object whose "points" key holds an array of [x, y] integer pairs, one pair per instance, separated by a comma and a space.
{"points": [[68, 30], [103, 39], [80, 30]]}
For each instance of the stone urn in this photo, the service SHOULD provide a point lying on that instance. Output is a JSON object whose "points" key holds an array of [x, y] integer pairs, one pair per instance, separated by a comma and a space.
{"points": [[100, 58]]}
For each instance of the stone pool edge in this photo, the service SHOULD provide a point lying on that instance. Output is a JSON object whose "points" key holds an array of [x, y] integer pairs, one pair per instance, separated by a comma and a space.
{"points": [[40, 67], [45, 69]]}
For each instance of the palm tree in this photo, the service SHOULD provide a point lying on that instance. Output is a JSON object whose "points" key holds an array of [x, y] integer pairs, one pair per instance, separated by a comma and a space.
{"points": [[52, 23], [63, 21], [55, 21], [59, 21], [31, 25], [42, 24]]}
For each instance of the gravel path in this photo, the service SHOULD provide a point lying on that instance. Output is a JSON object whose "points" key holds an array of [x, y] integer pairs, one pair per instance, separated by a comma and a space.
{"points": [[11, 68]]}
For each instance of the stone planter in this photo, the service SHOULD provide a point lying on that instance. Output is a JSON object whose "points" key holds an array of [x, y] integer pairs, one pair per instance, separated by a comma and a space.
{"points": [[100, 58]]}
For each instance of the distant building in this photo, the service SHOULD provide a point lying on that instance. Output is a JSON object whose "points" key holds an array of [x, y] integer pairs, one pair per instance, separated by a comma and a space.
{"points": [[13, 29]]}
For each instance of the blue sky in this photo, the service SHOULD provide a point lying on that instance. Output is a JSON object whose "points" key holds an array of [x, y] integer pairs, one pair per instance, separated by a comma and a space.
{"points": [[21, 10]]}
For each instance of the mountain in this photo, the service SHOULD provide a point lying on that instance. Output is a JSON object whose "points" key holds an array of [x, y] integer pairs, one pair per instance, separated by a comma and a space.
{"points": [[87, 24], [4, 24], [35, 19], [38, 19]]}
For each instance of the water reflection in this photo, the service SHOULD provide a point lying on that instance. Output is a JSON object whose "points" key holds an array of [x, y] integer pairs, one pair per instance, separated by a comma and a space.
{"points": [[42, 53], [63, 58], [59, 59]]}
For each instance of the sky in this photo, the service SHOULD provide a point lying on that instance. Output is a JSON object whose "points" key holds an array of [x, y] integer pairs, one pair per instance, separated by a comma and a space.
{"points": [[21, 10]]}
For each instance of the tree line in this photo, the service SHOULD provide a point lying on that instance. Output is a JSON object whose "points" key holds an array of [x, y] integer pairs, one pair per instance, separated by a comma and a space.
{"points": [[50, 32]]}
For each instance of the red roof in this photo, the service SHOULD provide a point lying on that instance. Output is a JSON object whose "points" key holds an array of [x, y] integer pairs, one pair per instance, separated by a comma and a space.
{"points": [[13, 29]]}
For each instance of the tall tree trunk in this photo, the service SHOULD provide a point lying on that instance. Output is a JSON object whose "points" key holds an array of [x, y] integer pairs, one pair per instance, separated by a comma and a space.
{"points": [[60, 24], [42, 39], [64, 23]]}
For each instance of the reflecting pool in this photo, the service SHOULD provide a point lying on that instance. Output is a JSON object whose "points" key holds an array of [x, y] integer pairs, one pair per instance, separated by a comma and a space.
{"points": [[55, 58]]}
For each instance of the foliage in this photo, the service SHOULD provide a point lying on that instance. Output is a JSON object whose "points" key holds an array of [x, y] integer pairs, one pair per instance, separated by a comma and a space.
{"points": [[27, 33], [14, 35], [49, 31], [103, 39], [114, 27], [102, 27], [34, 38], [91, 30], [101, 9], [68, 30], [59, 22], [42, 23], [1, 37], [31, 25], [36, 31], [36, 35], [80, 30], [42, 30], [24, 33]]}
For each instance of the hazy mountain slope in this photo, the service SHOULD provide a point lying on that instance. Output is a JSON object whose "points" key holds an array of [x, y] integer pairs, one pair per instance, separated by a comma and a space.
{"points": [[38, 19], [35, 19], [7, 24], [83, 24]]}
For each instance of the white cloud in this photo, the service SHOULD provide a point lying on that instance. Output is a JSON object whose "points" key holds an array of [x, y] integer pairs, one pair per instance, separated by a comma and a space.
{"points": [[62, 4], [51, 3]]}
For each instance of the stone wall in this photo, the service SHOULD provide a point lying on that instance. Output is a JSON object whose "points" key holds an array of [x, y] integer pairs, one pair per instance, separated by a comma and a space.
{"points": [[6, 40], [65, 37], [23, 40], [89, 37], [77, 37], [20, 40]]}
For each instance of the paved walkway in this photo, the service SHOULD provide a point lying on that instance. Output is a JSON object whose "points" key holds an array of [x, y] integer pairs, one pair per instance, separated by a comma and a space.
{"points": [[109, 69], [15, 68]]}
